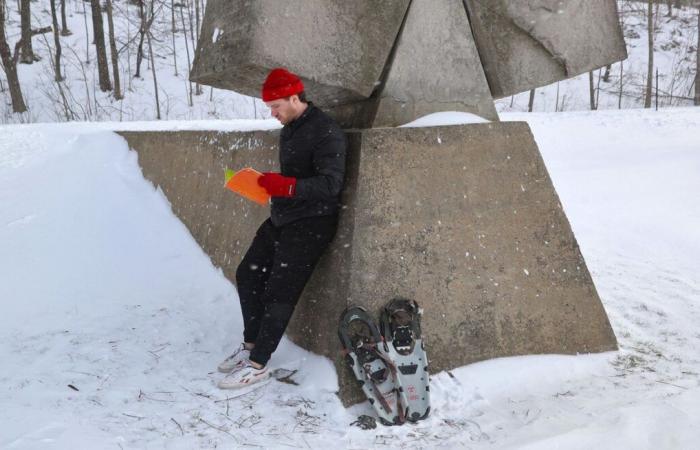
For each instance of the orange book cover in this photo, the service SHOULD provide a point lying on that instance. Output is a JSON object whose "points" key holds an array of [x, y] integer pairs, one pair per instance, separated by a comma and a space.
{"points": [[245, 183]]}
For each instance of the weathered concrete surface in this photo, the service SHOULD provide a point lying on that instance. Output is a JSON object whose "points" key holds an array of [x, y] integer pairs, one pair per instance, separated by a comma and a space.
{"points": [[436, 67], [343, 51], [528, 44], [339, 48], [464, 219], [189, 168]]}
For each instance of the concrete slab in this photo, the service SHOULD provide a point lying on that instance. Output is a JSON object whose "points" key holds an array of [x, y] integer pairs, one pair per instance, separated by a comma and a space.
{"points": [[464, 219], [528, 44], [338, 48], [436, 67]]}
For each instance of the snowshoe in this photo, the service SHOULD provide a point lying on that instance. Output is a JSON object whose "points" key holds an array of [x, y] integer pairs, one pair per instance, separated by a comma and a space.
{"points": [[376, 373], [400, 327]]}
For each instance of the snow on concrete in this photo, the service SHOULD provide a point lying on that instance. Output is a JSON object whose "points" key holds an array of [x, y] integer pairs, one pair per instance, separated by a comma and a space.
{"points": [[114, 320], [445, 118]]}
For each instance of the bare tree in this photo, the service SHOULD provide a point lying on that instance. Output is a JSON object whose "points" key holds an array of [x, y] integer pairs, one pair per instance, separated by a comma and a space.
{"points": [[173, 32], [650, 65], [591, 90], [57, 42], [64, 23], [146, 23], [198, 87], [113, 52], [697, 64], [619, 98], [189, 66], [153, 66], [27, 53], [98, 28], [531, 102], [142, 36], [9, 63], [87, 34]]}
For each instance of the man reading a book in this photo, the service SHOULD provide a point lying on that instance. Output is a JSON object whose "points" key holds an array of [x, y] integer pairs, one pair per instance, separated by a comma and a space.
{"points": [[305, 201]]}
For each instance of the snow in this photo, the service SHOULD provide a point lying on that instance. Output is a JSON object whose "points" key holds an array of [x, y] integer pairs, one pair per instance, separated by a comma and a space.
{"points": [[445, 118], [106, 291], [154, 125], [103, 289]]}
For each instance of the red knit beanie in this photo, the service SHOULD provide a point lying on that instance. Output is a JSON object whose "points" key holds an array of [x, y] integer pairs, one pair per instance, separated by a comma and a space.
{"points": [[281, 83]]}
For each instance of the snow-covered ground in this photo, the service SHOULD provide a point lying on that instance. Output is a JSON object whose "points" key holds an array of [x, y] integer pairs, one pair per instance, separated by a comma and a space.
{"points": [[114, 319]]}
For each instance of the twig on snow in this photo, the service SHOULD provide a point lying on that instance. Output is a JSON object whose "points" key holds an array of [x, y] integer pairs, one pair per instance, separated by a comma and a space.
{"points": [[671, 384], [218, 429], [179, 426]]}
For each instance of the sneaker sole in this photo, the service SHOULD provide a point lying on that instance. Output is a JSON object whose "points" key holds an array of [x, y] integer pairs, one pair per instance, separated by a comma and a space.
{"points": [[224, 370], [245, 388]]}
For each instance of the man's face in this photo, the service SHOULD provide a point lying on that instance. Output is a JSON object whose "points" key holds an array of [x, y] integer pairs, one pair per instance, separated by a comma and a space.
{"points": [[284, 109]]}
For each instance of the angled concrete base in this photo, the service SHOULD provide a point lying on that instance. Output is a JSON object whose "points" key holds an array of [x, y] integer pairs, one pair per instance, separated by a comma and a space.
{"points": [[464, 219]]}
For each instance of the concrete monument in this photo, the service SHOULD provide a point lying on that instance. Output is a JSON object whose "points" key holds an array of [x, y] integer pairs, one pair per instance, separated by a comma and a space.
{"points": [[386, 63], [464, 219]]}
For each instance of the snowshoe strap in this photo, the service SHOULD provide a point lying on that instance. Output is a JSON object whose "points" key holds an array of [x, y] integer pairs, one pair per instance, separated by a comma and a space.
{"points": [[403, 337], [390, 364], [380, 396]]}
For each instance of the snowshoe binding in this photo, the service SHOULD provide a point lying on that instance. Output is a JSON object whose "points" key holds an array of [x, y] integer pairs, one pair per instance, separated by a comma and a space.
{"points": [[376, 373], [400, 327]]}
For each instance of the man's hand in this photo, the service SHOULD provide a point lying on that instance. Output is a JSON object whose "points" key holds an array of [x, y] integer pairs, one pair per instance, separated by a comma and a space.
{"points": [[277, 185]]}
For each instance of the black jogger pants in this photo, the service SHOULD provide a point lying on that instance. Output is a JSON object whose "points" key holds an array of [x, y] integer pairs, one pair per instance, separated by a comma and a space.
{"points": [[272, 276]]}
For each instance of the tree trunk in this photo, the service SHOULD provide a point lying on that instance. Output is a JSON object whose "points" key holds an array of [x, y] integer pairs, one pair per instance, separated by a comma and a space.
{"points": [[619, 98], [669, 8], [198, 87], [26, 52], [64, 23], [102, 65], [153, 68], [189, 67], [87, 33], [8, 64], [597, 91], [173, 32], [650, 65], [591, 91], [531, 103], [113, 52], [57, 41], [606, 76], [697, 65], [142, 35]]}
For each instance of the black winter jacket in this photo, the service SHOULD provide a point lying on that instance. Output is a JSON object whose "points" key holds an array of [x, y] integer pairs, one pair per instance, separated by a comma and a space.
{"points": [[312, 149]]}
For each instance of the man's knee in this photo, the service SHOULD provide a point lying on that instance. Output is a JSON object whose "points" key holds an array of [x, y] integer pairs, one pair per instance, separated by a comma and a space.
{"points": [[280, 312], [247, 272]]}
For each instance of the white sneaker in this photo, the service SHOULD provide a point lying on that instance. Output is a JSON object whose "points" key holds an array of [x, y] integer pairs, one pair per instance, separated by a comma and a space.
{"points": [[244, 374], [239, 355]]}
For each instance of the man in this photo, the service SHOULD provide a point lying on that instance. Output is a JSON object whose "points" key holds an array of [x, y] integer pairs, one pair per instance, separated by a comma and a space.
{"points": [[303, 220]]}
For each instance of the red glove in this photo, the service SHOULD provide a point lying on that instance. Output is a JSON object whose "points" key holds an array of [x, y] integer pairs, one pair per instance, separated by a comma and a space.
{"points": [[277, 185]]}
